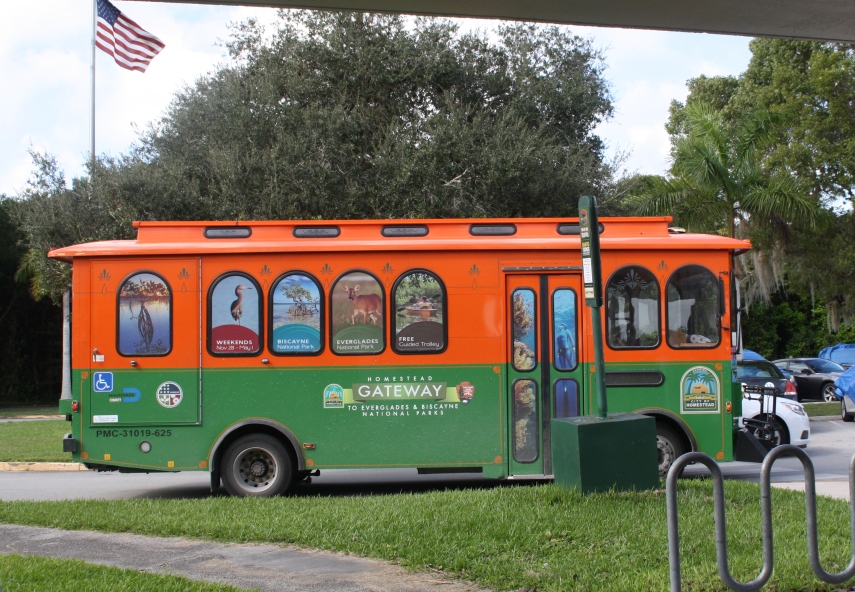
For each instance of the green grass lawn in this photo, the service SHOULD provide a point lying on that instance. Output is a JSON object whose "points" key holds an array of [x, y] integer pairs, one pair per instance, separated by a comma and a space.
{"points": [[822, 409], [26, 574], [506, 538], [33, 441], [21, 411], [510, 537]]}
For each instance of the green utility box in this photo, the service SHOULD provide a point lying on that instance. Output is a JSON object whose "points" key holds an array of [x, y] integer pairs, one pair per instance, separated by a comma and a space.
{"points": [[593, 454]]}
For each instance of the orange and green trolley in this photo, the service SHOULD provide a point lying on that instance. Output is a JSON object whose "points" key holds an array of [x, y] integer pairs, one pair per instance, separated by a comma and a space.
{"points": [[263, 352]]}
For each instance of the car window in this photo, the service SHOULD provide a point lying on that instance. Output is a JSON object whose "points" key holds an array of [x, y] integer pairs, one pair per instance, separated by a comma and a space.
{"points": [[797, 367], [768, 369], [757, 369], [820, 365]]}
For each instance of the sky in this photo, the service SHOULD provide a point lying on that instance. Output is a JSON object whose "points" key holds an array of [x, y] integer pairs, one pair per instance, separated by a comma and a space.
{"points": [[46, 54]]}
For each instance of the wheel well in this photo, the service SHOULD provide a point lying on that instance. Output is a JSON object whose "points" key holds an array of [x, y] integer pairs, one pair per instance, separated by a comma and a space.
{"points": [[676, 424], [242, 429]]}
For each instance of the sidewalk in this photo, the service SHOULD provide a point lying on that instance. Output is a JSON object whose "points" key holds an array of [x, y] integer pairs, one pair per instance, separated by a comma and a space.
{"points": [[269, 568]]}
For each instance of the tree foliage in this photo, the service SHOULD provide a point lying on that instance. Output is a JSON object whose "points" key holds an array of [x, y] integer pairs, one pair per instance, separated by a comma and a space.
{"points": [[30, 349], [349, 115], [718, 181], [812, 86], [807, 89]]}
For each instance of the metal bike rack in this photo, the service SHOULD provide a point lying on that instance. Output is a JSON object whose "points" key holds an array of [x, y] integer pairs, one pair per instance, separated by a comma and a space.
{"points": [[763, 426], [766, 512]]}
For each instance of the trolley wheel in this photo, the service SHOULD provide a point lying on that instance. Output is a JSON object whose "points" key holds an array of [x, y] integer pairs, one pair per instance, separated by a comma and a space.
{"points": [[829, 392], [670, 447], [257, 465]]}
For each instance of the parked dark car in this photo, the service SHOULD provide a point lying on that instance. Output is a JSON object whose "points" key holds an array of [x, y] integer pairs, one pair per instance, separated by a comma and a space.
{"points": [[764, 374], [814, 376]]}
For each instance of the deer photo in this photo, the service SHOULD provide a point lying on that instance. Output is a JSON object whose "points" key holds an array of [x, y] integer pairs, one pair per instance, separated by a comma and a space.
{"points": [[368, 305]]}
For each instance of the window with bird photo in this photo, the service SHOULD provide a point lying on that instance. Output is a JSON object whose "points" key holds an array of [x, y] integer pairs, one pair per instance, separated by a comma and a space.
{"points": [[234, 315], [144, 316]]}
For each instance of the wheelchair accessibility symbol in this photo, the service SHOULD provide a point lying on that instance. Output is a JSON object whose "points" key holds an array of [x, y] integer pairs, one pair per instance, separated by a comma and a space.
{"points": [[102, 382]]}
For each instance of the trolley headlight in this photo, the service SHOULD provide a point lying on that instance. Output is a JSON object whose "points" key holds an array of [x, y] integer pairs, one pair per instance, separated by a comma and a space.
{"points": [[794, 407]]}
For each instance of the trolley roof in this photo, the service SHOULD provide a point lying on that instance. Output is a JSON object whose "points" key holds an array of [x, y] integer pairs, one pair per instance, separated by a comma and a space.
{"points": [[518, 234]]}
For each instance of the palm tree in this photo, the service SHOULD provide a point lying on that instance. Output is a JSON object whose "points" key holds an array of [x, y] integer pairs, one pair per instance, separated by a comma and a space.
{"points": [[693, 377], [718, 181]]}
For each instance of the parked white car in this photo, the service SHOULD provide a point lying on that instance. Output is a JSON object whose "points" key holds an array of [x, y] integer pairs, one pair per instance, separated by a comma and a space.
{"points": [[789, 423]]}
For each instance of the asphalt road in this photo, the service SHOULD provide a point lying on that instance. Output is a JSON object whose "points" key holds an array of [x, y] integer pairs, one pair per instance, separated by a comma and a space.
{"points": [[830, 450]]}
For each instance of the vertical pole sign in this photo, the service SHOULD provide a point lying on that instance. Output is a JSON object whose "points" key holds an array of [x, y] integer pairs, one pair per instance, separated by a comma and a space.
{"points": [[593, 284], [579, 459]]}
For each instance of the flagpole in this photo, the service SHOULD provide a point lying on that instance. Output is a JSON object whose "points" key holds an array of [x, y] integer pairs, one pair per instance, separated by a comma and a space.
{"points": [[92, 113]]}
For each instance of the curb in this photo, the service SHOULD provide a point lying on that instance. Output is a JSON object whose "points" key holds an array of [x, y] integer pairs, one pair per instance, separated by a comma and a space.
{"points": [[42, 466]]}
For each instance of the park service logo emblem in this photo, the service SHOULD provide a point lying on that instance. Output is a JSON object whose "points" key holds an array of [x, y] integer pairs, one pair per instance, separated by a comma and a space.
{"points": [[699, 391], [169, 394], [333, 397]]}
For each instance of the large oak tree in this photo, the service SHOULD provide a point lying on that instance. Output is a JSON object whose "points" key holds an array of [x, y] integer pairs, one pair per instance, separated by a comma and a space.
{"points": [[349, 115]]}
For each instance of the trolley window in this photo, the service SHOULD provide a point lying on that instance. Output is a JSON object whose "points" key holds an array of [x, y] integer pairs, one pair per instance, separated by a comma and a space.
{"points": [[524, 354], [632, 313], [693, 308], [420, 321], [357, 304], [144, 316], [564, 329], [296, 315], [234, 316]]}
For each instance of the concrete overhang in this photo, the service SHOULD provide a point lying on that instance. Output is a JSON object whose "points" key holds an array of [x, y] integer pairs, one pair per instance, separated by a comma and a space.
{"points": [[825, 20]]}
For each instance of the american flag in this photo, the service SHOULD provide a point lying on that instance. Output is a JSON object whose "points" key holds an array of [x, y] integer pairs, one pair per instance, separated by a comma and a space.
{"points": [[130, 45]]}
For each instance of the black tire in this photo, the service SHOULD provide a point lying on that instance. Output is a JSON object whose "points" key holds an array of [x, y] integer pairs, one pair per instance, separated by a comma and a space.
{"points": [[829, 392], [670, 447], [777, 432], [257, 465], [847, 417]]}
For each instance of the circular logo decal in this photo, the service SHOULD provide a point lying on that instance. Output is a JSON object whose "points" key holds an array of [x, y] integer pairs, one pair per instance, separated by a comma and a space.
{"points": [[699, 391], [169, 394], [333, 397]]}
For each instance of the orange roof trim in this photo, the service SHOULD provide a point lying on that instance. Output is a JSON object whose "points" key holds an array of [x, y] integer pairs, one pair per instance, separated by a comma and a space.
{"points": [[195, 238]]}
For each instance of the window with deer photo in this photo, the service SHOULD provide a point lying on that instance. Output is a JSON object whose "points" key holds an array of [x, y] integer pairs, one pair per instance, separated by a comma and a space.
{"points": [[357, 318]]}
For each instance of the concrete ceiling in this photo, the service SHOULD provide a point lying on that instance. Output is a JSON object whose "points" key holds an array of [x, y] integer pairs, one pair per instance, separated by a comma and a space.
{"points": [[827, 20]]}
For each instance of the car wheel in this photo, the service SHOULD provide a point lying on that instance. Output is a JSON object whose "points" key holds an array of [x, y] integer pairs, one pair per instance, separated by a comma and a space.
{"points": [[777, 431], [845, 415], [257, 465], [829, 392], [670, 448]]}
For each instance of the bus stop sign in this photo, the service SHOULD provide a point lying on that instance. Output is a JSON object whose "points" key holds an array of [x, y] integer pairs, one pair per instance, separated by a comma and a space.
{"points": [[589, 226]]}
